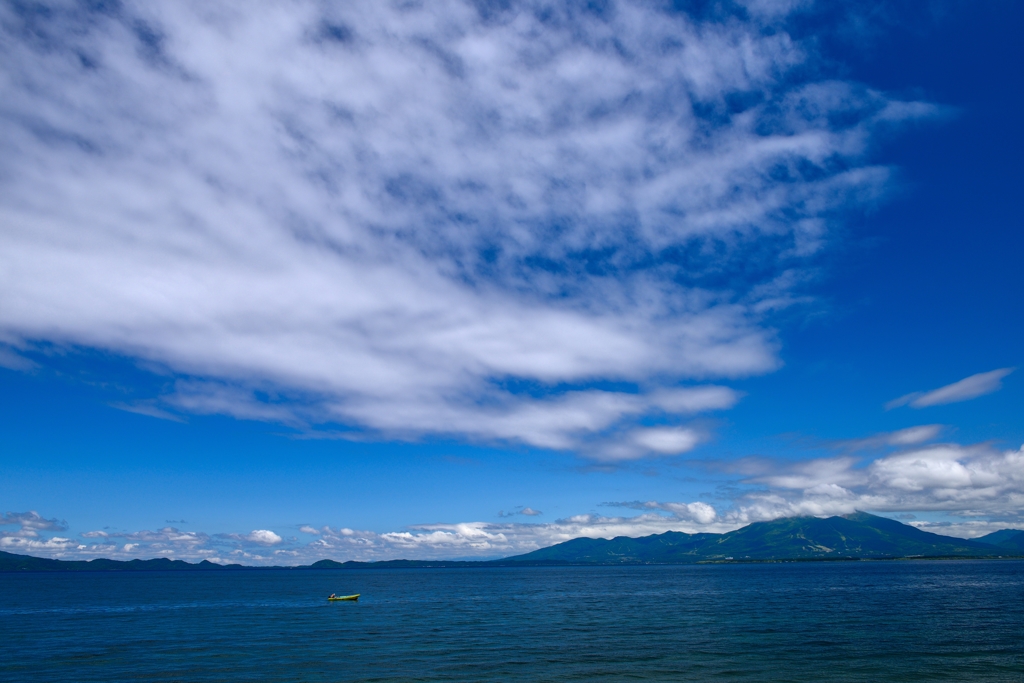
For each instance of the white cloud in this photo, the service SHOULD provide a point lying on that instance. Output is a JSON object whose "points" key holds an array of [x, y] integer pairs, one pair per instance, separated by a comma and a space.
{"points": [[263, 537], [966, 528], [32, 522], [429, 541], [699, 512], [485, 539], [520, 510], [642, 442], [12, 361], [978, 488], [666, 440], [257, 537], [385, 215], [960, 480], [913, 435], [148, 408], [901, 437], [166, 542], [964, 390], [52, 545]]}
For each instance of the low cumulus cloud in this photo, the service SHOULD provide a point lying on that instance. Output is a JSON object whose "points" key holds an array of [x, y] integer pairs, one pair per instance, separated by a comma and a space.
{"points": [[168, 541], [167, 534], [54, 546], [263, 537], [422, 218], [699, 513], [979, 488], [32, 522], [30, 536], [429, 541], [493, 540], [966, 481], [969, 387]]}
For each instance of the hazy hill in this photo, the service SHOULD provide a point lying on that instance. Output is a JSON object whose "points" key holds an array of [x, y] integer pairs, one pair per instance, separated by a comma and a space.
{"points": [[13, 562], [1009, 539]]}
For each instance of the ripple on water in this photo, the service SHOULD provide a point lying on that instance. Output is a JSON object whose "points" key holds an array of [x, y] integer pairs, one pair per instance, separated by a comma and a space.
{"points": [[864, 621]]}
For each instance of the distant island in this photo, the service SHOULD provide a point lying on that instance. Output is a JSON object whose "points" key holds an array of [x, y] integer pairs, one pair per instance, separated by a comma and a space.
{"points": [[858, 536]]}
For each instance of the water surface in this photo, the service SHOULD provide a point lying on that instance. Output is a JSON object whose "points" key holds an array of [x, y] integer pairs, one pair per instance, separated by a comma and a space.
{"points": [[856, 621]]}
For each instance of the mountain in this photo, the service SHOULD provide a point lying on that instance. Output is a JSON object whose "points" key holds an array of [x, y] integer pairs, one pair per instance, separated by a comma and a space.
{"points": [[859, 535], [669, 547], [855, 536], [1010, 539], [11, 562]]}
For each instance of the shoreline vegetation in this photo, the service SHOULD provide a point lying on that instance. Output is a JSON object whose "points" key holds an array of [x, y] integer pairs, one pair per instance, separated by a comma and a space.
{"points": [[856, 537]]}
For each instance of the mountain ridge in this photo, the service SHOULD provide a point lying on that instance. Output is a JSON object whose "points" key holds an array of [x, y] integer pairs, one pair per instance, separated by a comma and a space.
{"points": [[1009, 539], [857, 536]]}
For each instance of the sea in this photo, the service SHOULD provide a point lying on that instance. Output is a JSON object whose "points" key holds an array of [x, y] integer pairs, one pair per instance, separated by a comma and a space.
{"points": [[813, 621]]}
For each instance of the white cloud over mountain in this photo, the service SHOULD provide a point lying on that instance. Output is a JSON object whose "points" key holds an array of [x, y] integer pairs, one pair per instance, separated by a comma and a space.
{"points": [[968, 481], [978, 489], [411, 219]]}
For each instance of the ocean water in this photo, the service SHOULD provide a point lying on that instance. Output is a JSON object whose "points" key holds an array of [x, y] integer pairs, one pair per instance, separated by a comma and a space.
{"points": [[856, 621]]}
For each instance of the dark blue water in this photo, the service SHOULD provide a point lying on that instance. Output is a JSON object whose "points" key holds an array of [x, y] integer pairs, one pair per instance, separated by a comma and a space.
{"points": [[894, 621]]}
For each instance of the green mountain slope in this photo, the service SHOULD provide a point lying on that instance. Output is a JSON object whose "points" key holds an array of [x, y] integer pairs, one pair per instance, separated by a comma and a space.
{"points": [[1009, 539], [859, 535], [856, 535], [671, 544]]}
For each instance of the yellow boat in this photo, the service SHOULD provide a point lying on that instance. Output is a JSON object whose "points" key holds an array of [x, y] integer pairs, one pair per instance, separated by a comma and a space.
{"points": [[345, 597]]}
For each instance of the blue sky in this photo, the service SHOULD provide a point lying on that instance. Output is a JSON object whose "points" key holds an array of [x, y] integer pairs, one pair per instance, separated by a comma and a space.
{"points": [[465, 279]]}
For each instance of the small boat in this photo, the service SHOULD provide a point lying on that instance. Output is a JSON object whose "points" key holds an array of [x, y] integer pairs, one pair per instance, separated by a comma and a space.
{"points": [[344, 597]]}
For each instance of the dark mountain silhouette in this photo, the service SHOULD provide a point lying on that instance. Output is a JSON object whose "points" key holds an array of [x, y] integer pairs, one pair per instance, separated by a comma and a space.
{"points": [[13, 562]]}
